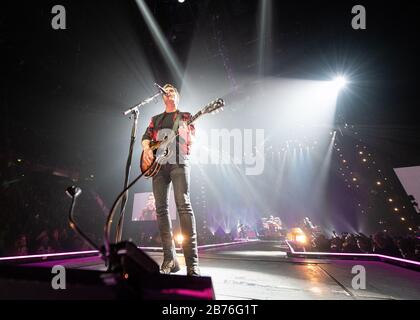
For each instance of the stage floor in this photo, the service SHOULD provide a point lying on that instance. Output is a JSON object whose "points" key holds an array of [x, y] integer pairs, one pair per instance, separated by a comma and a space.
{"points": [[262, 270]]}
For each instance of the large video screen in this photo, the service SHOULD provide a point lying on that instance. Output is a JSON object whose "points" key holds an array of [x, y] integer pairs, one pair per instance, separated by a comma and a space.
{"points": [[410, 179], [144, 207]]}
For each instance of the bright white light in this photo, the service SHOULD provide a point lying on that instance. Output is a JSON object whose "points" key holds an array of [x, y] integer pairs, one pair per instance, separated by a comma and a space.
{"points": [[301, 238], [181, 1], [304, 102], [179, 238], [339, 82]]}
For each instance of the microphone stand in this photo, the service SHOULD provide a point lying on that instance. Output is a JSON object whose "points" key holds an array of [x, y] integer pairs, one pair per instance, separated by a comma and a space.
{"points": [[73, 194], [134, 114]]}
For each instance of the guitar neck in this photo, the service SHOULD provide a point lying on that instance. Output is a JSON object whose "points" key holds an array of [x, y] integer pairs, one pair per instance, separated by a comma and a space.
{"points": [[194, 117], [207, 109]]}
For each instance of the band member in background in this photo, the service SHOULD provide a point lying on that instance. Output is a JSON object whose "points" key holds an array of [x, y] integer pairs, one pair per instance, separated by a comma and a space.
{"points": [[177, 172]]}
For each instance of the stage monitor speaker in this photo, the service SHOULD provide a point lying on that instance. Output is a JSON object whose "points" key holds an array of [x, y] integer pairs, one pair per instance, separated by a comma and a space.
{"points": [[127, 258]]}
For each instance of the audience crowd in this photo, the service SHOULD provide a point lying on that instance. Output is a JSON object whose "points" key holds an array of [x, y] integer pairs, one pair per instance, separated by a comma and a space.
{"points": [[407, 247]]}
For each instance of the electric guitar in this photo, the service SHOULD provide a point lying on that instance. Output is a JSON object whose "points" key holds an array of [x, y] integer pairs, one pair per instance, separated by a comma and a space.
{"points": [[162, 149]]}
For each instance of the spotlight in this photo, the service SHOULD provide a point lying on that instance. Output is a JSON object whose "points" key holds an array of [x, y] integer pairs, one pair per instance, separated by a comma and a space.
{"points": [[301, 238], [181, 1], [339, 82], [179, 238], [297, 234]]}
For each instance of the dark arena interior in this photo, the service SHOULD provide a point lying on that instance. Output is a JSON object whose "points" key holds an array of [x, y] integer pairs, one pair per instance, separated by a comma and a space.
{"points": [[209, 150]]}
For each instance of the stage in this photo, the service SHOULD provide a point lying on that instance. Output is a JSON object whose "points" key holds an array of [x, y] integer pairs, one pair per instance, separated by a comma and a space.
{"points": [[262, 270]]}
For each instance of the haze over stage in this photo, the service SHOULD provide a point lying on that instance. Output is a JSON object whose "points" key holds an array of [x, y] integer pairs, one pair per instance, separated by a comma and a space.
{"points": [[318, 144]]}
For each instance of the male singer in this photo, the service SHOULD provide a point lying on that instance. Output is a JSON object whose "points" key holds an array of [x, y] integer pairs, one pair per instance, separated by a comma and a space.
{"points": [[177, 171]]}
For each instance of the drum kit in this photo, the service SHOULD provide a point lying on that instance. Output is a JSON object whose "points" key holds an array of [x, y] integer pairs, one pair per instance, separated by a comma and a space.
{"points": [[272, 228]]}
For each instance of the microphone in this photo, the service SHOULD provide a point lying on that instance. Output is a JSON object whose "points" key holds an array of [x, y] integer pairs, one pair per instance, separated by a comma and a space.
{"points": [[161, 89], [73, 191]]}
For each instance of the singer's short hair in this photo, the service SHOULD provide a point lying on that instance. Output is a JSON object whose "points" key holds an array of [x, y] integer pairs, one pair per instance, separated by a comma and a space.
{"points": [[168, 85]]}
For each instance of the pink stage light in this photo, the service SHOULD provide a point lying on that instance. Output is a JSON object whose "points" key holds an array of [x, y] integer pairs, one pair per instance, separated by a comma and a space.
{"points": [[75, 253], [361, 255], [48, 255]]}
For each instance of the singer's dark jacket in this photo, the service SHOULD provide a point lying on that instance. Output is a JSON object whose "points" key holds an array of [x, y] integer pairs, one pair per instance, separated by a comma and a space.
{"points": [[166, 120]]}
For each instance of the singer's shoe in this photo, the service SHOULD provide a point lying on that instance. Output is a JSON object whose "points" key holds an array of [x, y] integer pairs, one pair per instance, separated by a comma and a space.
{"points": [[170, 266], [193, 271]]}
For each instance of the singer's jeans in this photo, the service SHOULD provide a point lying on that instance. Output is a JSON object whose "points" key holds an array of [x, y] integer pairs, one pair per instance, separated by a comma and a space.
{"points": [[179, 175]]}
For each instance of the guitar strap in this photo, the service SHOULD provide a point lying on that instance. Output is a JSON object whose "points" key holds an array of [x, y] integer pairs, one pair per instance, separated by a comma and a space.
{"points": [[176, 122]]}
